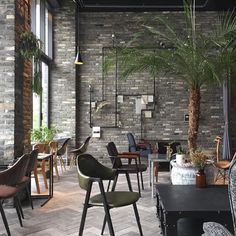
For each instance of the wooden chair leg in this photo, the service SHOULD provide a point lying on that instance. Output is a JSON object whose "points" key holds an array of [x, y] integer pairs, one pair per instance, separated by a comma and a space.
{"points": [[44, 174], [56, 168], [4, 219], [36, 180]]}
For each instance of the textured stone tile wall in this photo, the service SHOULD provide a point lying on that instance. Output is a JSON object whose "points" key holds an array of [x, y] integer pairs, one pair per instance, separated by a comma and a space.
{"points": [[63, 94], [171, 100], [7, 78]]}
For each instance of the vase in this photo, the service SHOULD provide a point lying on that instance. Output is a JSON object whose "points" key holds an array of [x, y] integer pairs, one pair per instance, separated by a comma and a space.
{"points": [[201, 179]]}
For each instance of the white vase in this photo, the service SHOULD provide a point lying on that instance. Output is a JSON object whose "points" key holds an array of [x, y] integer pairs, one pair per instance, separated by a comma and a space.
{"points": [[180, 159]]}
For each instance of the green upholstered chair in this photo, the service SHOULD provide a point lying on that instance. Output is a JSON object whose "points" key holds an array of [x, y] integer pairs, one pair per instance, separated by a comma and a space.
{"points": [[90, 171]]}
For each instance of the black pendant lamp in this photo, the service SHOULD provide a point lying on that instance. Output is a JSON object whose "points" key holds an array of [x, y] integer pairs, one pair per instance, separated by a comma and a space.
{"points": [[78, 59]]}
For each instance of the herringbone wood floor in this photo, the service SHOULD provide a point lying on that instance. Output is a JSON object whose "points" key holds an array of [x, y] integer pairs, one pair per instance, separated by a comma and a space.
{"points": [[61, 215]]}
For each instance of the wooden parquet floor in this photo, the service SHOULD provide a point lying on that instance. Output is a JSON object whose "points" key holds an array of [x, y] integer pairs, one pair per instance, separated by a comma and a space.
{"points": [[61, 215]]}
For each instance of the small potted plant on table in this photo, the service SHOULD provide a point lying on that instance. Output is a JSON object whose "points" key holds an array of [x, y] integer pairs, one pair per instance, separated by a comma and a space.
{"points": [[180, 155]]}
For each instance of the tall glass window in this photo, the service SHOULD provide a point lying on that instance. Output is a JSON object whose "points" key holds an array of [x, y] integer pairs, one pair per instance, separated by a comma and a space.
{"points": [[41, 24]]}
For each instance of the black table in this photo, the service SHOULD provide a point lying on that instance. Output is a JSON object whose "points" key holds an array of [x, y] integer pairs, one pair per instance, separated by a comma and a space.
{"points": [[187, 201]]}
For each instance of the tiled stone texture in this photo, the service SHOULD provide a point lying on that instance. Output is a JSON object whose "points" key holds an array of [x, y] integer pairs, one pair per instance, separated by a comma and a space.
{"points": [[171, 98], [15, 82], [63, 94], [7, 78], [23, 81]]}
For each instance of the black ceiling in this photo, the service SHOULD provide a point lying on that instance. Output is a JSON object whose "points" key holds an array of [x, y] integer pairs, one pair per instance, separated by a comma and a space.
{"points": [[152, 5]]}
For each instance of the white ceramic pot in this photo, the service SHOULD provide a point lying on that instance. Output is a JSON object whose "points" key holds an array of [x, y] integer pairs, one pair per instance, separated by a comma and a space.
{"points": [[180, 159]]}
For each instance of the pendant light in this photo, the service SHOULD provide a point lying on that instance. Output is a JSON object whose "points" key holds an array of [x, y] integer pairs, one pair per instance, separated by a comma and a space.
{"points": [[78, 59]]}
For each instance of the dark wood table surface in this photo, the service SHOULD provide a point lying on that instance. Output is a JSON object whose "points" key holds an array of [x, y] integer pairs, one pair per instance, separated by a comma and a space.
{"points": [[187, 201]]}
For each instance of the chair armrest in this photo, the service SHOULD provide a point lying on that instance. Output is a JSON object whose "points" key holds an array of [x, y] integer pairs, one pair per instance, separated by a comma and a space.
{"points": [[215, 229], [129, 153], [127, 156]]}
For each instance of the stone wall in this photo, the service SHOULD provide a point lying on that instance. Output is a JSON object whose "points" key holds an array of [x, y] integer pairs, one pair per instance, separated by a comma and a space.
{"points": [[63, 95], [171, 97], [7, 78], [15, 82]]}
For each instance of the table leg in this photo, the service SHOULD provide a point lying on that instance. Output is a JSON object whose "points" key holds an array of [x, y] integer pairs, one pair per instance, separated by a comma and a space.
{"points": [[149, 172], [152, 178]]}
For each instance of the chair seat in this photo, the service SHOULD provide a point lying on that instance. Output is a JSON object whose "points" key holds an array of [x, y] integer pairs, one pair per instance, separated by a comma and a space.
{"points": [[7, 191], [132, 168], [116, 199], [223, 164]]}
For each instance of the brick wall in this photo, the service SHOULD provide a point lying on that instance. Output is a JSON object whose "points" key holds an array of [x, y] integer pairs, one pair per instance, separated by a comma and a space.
{"points": [[7, 83], [63, 95], [171, 100], [15, 82]]}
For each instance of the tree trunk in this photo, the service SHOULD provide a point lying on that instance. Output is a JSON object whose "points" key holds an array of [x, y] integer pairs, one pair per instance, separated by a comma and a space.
{"points": [[194, 112]]}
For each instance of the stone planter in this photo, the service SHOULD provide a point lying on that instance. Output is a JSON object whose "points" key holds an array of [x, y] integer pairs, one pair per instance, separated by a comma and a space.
{"points": [[186, 174], [180, 159]]}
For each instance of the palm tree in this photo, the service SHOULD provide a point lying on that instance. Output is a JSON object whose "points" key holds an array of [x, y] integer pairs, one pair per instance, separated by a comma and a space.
{"points": [[194, 57]]}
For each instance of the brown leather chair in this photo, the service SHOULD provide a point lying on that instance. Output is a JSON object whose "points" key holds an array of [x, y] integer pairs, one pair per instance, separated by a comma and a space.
{"points": [[10, 180]]}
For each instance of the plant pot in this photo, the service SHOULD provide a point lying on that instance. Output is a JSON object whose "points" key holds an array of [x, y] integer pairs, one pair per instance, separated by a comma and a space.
{"points": [[200, 179], [180, 159]]}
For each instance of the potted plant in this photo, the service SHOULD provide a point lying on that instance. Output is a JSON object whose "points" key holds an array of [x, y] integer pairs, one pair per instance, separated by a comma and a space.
{"points": [[193, 56], [30, 48], [180, 155], [43, 135], [198, 159]]}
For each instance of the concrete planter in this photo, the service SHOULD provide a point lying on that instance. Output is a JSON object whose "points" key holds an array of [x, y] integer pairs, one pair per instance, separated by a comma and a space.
{"points": [[186, 174]]}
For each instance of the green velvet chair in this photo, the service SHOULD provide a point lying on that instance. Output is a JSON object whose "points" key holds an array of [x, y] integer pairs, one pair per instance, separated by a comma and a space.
{"points": [[90, 171]]}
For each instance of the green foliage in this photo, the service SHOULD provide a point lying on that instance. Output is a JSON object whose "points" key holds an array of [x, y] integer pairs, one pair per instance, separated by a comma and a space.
{"points": [[180, 150], [30, 48], [192, 55], [43, 134]]}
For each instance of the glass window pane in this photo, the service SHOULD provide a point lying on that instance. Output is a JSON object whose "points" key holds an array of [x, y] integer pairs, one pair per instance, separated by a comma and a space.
{"points": [[45, 74], [36, 111]]}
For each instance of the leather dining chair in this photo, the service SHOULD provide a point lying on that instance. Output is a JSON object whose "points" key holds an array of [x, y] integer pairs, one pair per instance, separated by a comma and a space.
{"points": [[116, 160], [61, 152], [10, 180], [91, 171], [31, 167], [78, 151]]}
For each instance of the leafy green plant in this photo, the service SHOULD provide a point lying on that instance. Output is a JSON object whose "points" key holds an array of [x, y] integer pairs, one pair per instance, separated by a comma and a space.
{"points": [[193, 56], [180, 150], [43, 134], [30, 48]]}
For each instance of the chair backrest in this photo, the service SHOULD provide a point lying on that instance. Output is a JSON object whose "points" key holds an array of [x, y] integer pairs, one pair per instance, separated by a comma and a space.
{"points": [[13, 175], [32, 161], [132, 143], [113, 153], [217, 140], [62, 150], [84, 146], [232, 190], [40, 146], [88, 168], [53, 146]]}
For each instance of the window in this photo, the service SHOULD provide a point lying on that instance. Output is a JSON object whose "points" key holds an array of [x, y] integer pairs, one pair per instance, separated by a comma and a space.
{"points": [[41, 25]]}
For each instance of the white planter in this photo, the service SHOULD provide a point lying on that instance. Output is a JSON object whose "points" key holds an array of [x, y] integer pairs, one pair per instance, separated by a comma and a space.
{"points": [[180, 159], [186, 174]]}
